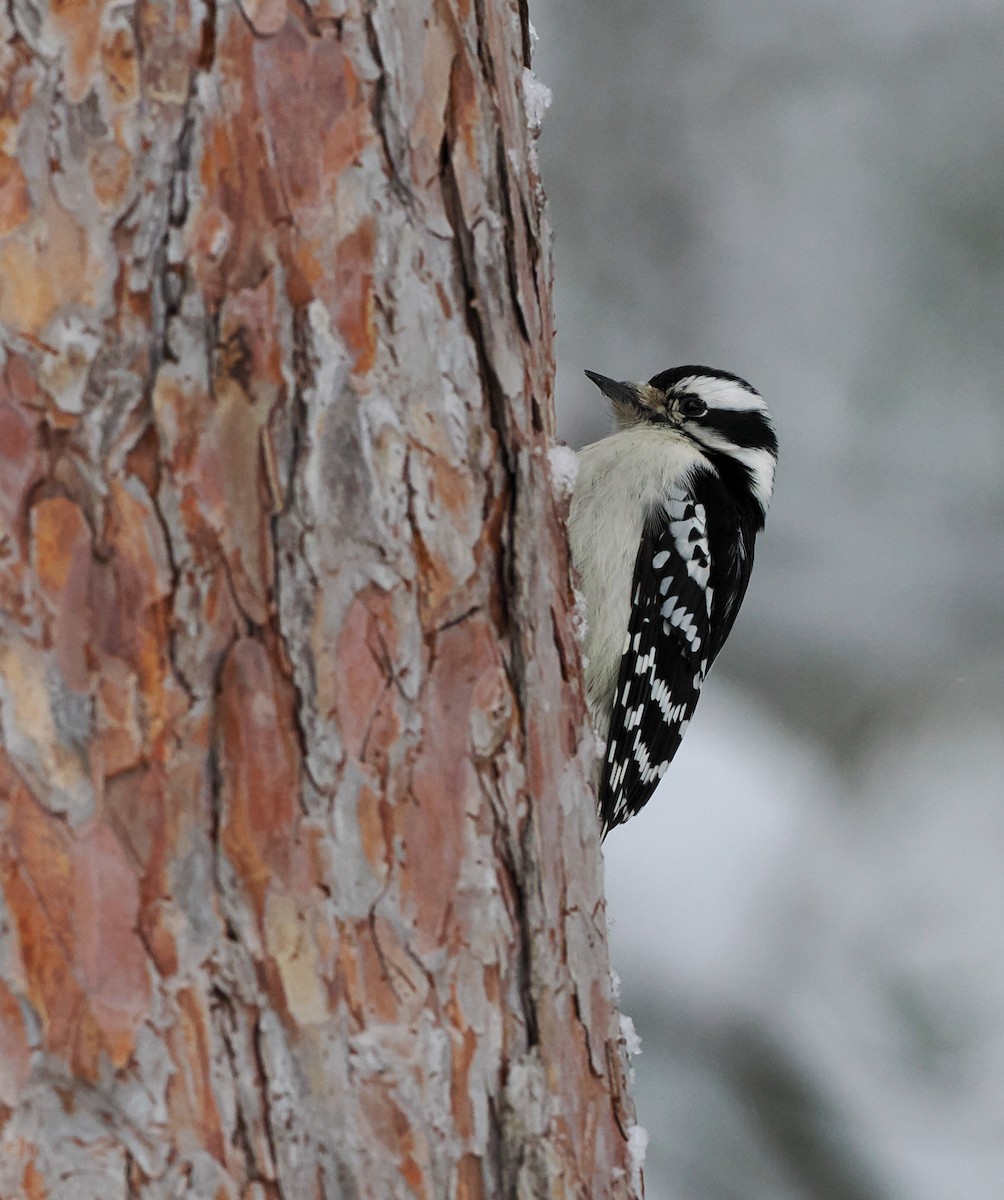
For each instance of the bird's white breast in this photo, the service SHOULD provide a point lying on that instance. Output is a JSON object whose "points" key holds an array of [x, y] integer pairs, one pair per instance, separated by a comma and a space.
{"points": [[620, 479]]}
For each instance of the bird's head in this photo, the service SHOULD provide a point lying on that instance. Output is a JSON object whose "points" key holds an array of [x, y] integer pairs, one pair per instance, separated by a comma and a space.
{"points": [[722, 415]]}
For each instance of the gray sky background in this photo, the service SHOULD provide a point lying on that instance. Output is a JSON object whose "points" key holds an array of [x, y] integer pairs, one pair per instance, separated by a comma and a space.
{"points": [[809, 917]]}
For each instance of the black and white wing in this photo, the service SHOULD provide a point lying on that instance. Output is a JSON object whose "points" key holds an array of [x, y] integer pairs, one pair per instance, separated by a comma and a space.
{"points": [[665, 655], [678, 624]]}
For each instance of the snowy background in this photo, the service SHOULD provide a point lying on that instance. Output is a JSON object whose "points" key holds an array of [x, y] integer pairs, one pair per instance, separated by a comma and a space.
{"points": [[809, 919]]}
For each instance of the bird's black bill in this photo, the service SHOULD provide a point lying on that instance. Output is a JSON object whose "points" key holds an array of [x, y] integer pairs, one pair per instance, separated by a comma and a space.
{"points": [[621, 393]]}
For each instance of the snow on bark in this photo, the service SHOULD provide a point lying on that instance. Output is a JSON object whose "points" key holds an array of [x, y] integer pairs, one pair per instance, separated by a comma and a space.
{"points": [[301, 893]]}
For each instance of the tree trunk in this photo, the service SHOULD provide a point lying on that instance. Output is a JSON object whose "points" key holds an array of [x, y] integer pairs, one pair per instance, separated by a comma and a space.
{"points": [[301, 894]]}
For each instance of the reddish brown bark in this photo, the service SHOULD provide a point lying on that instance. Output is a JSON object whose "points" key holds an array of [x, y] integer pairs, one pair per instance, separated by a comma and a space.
{"points": [[300, 884]]}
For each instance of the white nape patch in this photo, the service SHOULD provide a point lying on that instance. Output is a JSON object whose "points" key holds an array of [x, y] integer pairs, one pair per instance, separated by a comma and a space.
{"points": [[761, 464], [721, 393]]}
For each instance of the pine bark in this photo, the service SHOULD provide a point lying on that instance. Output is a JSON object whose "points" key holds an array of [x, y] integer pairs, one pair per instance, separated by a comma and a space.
{"points": [[300, 893]]}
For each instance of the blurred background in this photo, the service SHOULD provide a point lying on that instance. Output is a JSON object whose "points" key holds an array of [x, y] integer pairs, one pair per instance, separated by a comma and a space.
{"points": [[808, 920]]}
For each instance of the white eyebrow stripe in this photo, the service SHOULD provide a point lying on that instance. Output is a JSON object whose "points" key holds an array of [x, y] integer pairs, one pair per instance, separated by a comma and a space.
{"points": [[722, 393]]}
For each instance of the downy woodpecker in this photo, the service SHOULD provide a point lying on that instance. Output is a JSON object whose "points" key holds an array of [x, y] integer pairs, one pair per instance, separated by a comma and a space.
{"points": [[663, 521]]}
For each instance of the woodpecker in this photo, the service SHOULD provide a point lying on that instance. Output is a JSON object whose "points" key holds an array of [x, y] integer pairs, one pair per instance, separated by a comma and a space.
{"points": [[663, 521]]}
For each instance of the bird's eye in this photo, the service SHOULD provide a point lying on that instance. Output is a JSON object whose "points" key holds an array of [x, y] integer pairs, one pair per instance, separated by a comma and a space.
{"points": [[692, 406]]}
